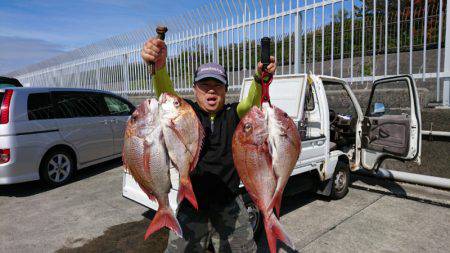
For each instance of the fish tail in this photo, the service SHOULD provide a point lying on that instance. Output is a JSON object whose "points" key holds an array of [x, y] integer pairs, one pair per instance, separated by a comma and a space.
{"points": [[271, 239], [274, 231], [164, 218], [276, 202], [185, 191]]}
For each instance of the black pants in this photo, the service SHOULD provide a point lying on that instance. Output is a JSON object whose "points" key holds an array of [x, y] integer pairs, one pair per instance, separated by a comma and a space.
{"points": [[226, 226]]}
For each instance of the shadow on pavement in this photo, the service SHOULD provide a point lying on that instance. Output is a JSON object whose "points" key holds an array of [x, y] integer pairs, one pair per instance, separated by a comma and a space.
{"points": [[294, 202], [36, 187], [149, 214], [129, 237], [391, 186], [289, 204], [126, 237]]}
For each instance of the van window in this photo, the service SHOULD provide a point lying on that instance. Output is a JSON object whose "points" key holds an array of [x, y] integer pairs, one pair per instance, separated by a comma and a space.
{"points": [[116, 106], [78, 104], [39, 106]]}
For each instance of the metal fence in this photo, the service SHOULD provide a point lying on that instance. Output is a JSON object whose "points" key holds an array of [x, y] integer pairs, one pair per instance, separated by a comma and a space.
{"points": [[355, 40]]}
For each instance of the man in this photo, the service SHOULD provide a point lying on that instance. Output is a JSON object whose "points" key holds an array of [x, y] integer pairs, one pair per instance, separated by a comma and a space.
{"points": [[222, 218]]}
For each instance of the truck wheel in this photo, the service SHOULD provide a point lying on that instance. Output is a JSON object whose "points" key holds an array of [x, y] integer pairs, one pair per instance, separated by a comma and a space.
{"points": [[255, 217], [341, 179], [57, 168]]}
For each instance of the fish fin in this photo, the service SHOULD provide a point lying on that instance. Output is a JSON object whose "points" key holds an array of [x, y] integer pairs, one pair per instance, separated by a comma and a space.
{"points": [[201, 135], [147, 192], [185, 191], [146, 157], [275, 231], [179, 136], [271, 239], [276, 202], [177, 133], [150, 196], [164, 218]]}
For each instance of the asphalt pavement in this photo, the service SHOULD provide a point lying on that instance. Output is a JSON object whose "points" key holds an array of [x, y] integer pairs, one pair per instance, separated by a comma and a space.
{"points": [[90, 215]]}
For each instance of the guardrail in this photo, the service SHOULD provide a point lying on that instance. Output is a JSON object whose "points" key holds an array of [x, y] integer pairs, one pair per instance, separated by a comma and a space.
{"points": [[413, 178], [436, 133]]}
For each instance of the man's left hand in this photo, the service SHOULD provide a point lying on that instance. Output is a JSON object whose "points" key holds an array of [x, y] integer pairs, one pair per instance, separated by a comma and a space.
{"points": [[271, 68]]}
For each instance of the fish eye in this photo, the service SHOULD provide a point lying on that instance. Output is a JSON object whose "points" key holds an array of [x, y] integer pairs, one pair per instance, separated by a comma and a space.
{"points": [[247, 127], [176, 103]]}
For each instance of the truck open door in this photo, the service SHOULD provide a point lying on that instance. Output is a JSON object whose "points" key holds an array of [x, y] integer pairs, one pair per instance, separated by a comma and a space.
{"points": [[391, 127]]}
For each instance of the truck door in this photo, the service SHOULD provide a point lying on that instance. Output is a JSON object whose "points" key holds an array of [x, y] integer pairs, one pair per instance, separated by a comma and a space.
{"points": [[391, 127]]}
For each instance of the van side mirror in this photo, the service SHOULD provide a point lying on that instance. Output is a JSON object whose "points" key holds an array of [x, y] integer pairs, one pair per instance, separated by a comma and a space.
{"points": [[378, 109]]}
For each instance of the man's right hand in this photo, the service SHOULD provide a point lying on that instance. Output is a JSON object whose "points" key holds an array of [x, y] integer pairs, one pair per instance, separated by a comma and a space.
{"points": [[155, 51]]}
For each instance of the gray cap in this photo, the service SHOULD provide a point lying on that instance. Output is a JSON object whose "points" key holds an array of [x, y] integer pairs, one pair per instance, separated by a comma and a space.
{"points": [[211, 70]]}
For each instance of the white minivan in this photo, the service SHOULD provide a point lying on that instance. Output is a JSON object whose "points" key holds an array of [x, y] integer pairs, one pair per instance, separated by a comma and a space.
{"points": [[49, 133], [337, 137]]}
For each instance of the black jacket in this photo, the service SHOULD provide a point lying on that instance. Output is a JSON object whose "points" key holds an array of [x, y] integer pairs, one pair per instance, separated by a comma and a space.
{"points": [[215, 179]]}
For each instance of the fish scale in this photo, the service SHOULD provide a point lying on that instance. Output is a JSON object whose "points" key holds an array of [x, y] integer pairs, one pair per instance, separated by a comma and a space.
{"points": [[146, 158], [184, 135], [252, 141], [284, 140]]}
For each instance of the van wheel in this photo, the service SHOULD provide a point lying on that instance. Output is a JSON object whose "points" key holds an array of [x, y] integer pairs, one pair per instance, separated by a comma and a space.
{"points": [[57, 168], [255, 217], [341, 179]]}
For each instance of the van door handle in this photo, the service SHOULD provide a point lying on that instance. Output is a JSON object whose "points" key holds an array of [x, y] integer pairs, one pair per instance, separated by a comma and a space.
{"points": [[104, 122], [114, 121]]}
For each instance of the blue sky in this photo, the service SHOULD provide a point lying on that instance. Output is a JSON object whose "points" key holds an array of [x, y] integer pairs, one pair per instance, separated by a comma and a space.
{"points": [[34, 30]]}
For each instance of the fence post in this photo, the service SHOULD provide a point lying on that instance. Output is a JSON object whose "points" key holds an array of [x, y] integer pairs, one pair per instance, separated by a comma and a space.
{"points": [[446, 88], [216, 49], [298, 42], [77, 74], [126, 79], [97, 75]]}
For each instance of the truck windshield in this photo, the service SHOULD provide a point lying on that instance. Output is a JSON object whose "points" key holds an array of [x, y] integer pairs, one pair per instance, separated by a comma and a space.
{"points": [[339, 100]]}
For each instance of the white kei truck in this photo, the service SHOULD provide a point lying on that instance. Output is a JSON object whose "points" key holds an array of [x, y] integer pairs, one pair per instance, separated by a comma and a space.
{"points": [[337, 137]]}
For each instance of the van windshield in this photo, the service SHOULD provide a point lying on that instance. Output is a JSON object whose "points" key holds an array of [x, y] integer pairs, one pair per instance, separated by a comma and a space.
{"points": [[5, 85]]}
